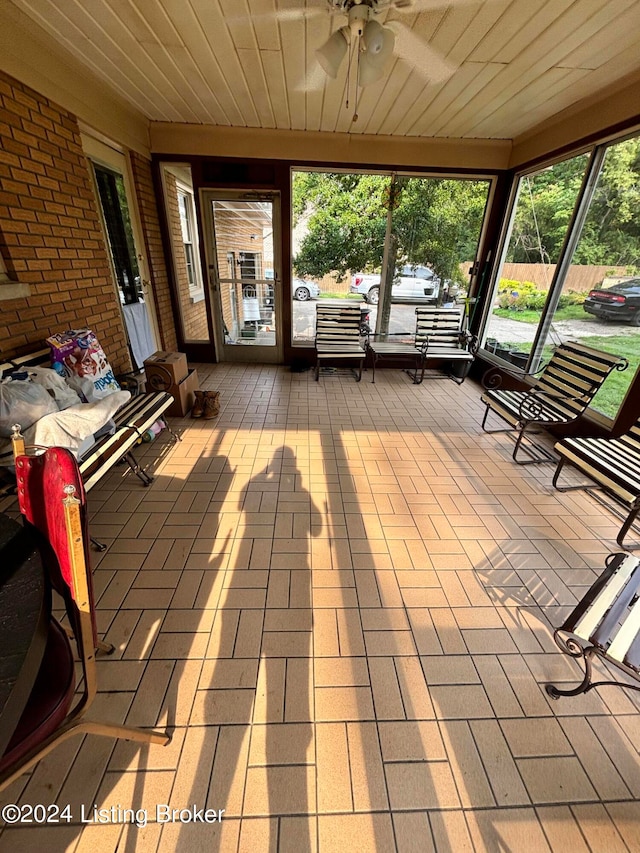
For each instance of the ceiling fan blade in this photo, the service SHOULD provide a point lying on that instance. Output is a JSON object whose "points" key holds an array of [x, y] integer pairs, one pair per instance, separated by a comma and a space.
{"points": [[426, 61], [314, 81], [416, 6], [289, 13]]}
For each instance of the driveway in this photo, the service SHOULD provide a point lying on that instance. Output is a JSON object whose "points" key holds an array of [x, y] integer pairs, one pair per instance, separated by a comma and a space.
{"points": [[514, 332]]}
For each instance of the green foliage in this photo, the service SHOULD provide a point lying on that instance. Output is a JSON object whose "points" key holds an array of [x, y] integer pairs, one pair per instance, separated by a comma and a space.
{"points": [[525, 296], [611, 233], [345, 221], [436, 222]]}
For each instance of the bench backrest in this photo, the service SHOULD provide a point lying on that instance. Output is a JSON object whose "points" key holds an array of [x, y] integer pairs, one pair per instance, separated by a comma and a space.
{"points": [[337, 324], [41, 358], [439, 327], [577, 371]]}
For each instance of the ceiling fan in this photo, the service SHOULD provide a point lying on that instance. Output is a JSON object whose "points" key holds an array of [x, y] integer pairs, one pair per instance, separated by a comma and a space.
{"points": [[372, 43]]}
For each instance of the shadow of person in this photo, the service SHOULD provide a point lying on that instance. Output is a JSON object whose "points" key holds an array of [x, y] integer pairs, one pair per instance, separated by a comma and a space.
{"points": [[254, 706]]}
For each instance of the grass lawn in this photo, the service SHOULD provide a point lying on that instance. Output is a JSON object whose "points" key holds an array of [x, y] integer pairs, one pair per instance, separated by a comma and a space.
{"points": [[609, 397], [571, 312]]}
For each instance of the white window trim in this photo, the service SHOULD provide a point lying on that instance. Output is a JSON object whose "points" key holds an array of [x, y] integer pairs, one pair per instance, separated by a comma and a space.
{"points": [[196, 291]]}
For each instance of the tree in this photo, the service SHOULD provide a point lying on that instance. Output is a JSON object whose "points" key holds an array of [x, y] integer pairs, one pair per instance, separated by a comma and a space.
{"points": [[611, 232], [435, 222]]}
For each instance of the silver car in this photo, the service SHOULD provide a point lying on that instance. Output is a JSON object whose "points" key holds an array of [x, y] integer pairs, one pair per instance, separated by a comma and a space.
{"points": [[304, 290], [411, 284]]}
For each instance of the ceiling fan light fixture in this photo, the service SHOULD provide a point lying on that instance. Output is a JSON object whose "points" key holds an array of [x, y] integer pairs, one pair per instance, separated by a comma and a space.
{"points": [[378, 45], [333, 51], [373, 37], [370, 71]]}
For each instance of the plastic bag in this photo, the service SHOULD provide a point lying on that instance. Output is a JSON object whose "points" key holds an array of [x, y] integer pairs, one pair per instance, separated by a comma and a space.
{"points": [[23, 402], [77, 352], [53, 382]]}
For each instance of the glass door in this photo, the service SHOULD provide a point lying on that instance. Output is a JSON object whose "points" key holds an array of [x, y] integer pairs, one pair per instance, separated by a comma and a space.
{"points": [[242, 250]]}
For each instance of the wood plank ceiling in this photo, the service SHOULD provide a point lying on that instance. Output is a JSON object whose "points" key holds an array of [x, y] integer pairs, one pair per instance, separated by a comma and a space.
{"points": [[488, 69]]}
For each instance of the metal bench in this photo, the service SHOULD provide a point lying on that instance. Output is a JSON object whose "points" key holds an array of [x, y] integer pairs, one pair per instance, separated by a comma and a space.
{"points": [[338, 336], [131, 422], [560, 395], [605, 624], [613, 464], [440, 336]]}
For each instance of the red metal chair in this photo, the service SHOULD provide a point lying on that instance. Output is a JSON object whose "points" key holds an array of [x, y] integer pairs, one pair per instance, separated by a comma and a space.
{"points": [[52, 502]]}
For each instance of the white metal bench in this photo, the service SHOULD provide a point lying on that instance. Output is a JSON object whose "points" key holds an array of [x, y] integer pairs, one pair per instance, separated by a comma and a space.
{"points": [[338, 336], [440, 336], [560, 395], [613, 464], [605, 624]]}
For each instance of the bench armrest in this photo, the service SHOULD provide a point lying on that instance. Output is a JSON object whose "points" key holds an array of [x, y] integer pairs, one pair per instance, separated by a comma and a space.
{"points": [[492, 378]]}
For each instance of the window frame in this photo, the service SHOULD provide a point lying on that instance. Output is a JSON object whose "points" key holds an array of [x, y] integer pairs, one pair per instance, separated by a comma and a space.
{"points": [[194, 273], [596, 153]]}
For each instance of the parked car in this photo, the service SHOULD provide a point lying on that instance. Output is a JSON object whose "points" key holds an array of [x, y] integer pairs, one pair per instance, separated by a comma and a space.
{"points": [[619, 302], [304, 290], [410, 284]]}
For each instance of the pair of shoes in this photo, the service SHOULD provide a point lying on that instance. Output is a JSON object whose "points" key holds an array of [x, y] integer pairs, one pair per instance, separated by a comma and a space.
{"points": [[206, 405], [198, 405]]}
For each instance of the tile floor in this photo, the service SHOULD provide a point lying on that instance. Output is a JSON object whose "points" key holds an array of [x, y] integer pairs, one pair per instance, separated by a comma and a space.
{"points": [[339, 596]]}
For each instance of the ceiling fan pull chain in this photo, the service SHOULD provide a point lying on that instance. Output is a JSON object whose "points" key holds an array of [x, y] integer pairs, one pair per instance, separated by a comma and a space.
{"points": [[346, 82], [358, 92]]}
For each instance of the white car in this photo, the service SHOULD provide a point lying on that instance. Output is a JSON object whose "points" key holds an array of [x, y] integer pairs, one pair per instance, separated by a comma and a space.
{"points": [[411, 284], [304, 290]]}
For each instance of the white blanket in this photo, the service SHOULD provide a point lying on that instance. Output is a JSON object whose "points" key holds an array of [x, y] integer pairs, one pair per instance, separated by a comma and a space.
{"points": [[72, 427]]}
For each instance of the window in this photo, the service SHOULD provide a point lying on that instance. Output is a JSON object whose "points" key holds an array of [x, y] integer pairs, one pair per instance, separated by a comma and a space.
{"points": [[182, 223], [185, 206], [544, 205], [571, 266], [349, 227]]}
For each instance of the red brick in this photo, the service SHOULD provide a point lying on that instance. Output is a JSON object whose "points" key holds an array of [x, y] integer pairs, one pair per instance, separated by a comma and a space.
{"points": [[23, 98], [16, 108], [42, 121], [35, 130], [40, 192], [23, 176], [42, 157], [25, 138], [46, 181], [8, 157]]}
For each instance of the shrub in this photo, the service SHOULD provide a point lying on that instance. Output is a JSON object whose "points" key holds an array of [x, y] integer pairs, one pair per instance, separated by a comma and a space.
{"points": [[526, 296]]}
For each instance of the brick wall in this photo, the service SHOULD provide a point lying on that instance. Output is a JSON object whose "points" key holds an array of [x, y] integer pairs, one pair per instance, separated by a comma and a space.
{"points": [[148, 210], [50, 232]]}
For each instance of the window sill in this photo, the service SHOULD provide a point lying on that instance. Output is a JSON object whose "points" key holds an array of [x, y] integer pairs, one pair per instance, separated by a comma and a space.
{"points": [[196, 296], [13, 289]]}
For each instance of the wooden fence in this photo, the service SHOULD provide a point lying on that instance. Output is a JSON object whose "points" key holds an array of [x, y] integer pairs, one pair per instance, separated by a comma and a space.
{"points": [[579, 278]]}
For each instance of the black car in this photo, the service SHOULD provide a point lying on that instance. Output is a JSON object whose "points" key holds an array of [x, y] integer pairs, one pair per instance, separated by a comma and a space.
{"points": [[619, 302]]}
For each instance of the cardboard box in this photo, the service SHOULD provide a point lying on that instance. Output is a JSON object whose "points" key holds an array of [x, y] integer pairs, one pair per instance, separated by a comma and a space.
{"points": [[183, 395], [164, 365]]}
